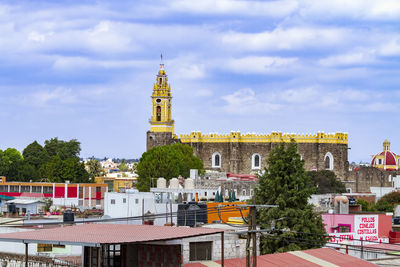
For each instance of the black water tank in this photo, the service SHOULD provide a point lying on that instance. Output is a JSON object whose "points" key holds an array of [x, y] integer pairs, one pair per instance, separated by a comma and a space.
{"points": [[69, 216], [192, 213]]}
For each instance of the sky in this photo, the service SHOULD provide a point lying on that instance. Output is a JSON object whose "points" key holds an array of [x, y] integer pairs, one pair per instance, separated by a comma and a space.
{"points": [[85, 70]]}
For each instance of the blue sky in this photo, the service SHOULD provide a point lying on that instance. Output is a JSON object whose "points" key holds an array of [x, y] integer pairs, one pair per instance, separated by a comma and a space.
{"points": [[85, 69]]}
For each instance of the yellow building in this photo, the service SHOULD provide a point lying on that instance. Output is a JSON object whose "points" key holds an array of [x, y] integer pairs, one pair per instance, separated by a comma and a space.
{"points": [[161, 120], [235, 152], [116, 184]]}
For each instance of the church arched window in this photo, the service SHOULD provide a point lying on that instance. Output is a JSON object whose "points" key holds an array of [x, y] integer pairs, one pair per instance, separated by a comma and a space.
{"points": [[256, 161], [328, 159], [158, 113], [216, 160]]}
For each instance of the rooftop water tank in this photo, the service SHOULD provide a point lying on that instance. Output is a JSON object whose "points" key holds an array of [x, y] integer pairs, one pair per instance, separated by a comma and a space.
{"points": [[189, 183], [68, 216], [161, 183], [174, 183]]}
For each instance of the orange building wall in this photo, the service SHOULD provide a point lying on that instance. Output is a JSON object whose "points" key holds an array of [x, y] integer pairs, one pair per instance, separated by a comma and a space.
{"points": [[225, 215]]}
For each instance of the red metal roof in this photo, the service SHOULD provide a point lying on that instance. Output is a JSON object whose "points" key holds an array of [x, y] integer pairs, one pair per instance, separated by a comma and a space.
{"points": [[311, 257], [96, 234]]}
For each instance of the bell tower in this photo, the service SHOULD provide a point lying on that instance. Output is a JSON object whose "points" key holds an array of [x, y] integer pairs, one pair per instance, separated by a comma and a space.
{"points": [[161, 122]]}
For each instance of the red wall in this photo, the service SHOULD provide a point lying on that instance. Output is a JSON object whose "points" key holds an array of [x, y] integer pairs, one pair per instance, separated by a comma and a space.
{"points": [[59, 191], [385, 225], [72, 191]]}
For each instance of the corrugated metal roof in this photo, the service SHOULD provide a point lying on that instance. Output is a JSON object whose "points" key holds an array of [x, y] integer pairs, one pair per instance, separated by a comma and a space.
{"points": [[96, 234], [305, 258]]}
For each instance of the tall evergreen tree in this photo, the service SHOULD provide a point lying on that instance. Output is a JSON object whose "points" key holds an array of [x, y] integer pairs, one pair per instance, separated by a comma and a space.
{"points": [[285, 183]]}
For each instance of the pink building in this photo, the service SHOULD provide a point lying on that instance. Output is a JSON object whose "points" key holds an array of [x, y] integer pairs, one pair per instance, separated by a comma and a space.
{"points": [[368, 227]]}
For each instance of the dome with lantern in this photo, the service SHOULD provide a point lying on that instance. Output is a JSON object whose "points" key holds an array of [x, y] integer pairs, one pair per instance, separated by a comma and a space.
{"points": [[386, 160]]}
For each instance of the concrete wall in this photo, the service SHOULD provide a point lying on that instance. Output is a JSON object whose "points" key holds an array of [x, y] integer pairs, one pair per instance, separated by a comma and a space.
{"points": [[234, 247], [133, 207]]}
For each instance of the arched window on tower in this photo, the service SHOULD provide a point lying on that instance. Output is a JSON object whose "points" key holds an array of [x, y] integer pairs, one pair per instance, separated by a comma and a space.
{"points": [[158, 113], [328, 159], [216, 160], [256, 161]]}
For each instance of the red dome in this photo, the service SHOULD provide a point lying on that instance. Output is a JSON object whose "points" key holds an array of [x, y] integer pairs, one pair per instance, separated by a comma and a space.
{"points": [[390, 158]]}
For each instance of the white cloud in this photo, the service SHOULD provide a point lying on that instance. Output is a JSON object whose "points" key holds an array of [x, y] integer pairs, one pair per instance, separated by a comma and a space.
{"points": [[354, 58], [390, 48], [287, 39], [260, 65], [354, 9], [236, 7], [74, 63], [245, 101], [310, 99], [45, 97]]}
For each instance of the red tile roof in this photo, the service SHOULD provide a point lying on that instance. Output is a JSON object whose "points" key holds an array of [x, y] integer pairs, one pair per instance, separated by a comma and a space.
{"points": [[305, 258], [96, 234]]}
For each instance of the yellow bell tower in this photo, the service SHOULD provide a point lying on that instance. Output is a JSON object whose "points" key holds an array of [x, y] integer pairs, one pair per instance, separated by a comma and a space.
{"points": [[161, 120]]}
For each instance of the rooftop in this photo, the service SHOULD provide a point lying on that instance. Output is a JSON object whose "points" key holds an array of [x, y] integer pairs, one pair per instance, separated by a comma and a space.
{"points": [[311, 257], [94, 235]]}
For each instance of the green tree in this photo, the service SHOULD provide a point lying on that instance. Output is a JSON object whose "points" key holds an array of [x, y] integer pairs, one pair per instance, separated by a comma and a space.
{"points": [[365, 205], [286, 183], [10, 161], [65, 150], [122, 166], [94, 168], [326, 182], [57, 170], [388, 202], [166, 161], [35, 155]]}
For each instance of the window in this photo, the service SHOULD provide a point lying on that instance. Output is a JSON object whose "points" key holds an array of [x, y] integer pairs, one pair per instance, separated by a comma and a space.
{"points": [[36, 189], [111, 255], [205, 193], [216, 160], [136, 201], [14, 188], [25, 189], [98, 189], [379, 161], [344, 228], [98, 201], [112, 201], [158, 114], [124, 200], [200, 251], [328, 159], [243, 192], [3, 188], [48, 189], [256, 161]]}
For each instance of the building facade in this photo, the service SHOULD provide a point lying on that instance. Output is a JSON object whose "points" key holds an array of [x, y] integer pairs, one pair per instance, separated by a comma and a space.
{"points": [[85, 196], [242, 153]]}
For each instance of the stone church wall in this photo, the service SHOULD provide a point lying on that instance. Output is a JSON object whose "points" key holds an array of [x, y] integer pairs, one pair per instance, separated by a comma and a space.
{"points": [[366, 177], [237, 157]]}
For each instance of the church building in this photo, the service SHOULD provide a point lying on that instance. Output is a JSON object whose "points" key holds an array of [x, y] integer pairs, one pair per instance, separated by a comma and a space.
{"points": [[242, 153]]}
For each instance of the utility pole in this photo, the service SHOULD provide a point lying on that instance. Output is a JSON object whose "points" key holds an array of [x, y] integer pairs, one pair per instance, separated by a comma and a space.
{"points": [[252, 231], [254, 234]]}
